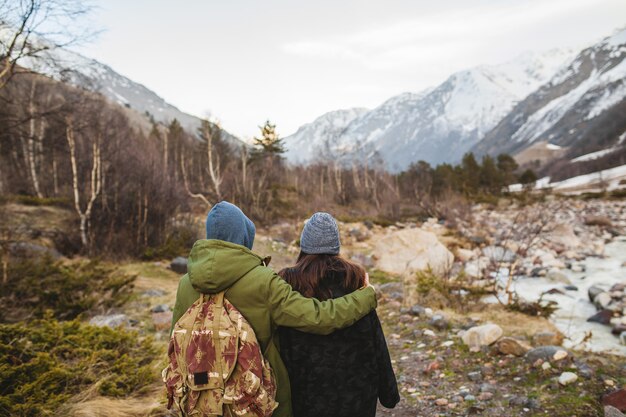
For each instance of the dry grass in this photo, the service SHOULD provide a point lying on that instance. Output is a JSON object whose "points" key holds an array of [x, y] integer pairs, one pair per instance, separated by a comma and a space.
{"points": [[90, 404], [513, 323]]}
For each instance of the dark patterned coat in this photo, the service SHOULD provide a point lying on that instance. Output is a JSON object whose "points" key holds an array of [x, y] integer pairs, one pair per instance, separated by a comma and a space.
{"points": [[342, 374]]}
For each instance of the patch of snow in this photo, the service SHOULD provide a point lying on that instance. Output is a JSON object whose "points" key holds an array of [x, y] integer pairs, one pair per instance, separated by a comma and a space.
{"points": [[594, 155], [553, 147]]}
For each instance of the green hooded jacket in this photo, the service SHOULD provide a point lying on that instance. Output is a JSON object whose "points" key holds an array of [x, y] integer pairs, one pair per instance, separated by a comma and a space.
{"points": [[266, 301]]}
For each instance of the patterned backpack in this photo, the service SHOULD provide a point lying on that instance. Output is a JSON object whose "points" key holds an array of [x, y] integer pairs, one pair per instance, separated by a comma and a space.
{"points": [[216, 367]]}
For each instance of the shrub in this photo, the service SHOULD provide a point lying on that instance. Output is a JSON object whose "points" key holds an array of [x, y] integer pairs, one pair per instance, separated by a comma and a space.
{"points": [[67, 290], [45, 362]]}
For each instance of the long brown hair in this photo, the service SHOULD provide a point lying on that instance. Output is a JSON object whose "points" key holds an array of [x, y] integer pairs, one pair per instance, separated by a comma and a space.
{"points": [[311, 275]]}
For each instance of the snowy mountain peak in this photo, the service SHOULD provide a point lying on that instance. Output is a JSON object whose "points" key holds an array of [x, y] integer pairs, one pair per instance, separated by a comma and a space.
{"points": [[438, 124], [312, 139], [581, 105]]}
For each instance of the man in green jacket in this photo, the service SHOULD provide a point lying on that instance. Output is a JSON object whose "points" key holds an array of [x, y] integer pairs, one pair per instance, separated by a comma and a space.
{"points": [[224, 261]]}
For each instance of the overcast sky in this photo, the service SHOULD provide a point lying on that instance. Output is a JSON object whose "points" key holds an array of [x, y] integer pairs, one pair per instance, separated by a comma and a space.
{"points": [[290, 61]]}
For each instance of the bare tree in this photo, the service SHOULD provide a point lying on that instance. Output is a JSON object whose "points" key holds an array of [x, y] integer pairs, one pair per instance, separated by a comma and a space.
{"points": [[31, 28], [95, 179]]}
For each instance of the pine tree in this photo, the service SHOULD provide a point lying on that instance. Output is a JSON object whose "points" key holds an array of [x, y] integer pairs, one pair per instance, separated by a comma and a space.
{"points": [[269, 144]]}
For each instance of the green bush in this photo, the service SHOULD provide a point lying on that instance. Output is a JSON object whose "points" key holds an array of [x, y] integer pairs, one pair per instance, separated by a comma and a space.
{"points": [[45, 362], [67, 290]]}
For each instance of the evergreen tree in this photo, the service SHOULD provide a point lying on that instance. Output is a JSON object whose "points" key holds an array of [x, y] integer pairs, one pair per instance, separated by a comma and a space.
{"points": [[507, 166], [470, 173], [269, 144], [528, 177], [490, 177]]}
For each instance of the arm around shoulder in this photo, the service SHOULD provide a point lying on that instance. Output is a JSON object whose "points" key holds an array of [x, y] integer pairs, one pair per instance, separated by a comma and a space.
{"points": [[290, 309]]}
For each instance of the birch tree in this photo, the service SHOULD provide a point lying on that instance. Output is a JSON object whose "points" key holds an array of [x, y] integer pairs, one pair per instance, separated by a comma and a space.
{"points": [[95, 180]]}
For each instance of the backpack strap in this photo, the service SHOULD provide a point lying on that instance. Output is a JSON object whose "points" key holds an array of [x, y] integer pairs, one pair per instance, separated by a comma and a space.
{"points": [[218, 306]]}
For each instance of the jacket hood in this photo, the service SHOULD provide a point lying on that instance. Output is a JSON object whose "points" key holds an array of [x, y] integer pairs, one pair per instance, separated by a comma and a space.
{"points": [[227, 222], [215, 265]]}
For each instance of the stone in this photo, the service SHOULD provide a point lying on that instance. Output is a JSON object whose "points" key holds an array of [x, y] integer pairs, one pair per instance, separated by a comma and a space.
{"points": [[518, 400], [160, 308], [464, 255], [390, 287], [365, 261], [545, 353], [622, 338], [546, 366], [441, 402], [162, 321], [610, 411], [571, 288], [417, 311], [485, 396], [532, 404], [511, 346], [563, 234], [438, 321], [153, 292], [486, 387], [577, 268], [567, 378], [469, 397], [475, 376], [602, 317], [560, 354], [616, 399], [593, 220], [499, 254], [179, 265], [547, 339], [409, 250], [603, 300], [484, 335], [593, 292], [111, 320], [558, 276], [32, 250]]}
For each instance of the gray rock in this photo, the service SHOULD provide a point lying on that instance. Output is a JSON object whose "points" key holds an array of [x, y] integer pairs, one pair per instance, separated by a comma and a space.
{"points": [[602, 317], [32, 250], [112, 320], [518, 400], [610, 411], [558, 276], [179, 265], [439, 321], [533, 404], [545, 353], [593, 292], [365, 260], [160, 308], [602, 300], [571, 288], [469, 397], [475, 376], [153, 292], [488, 388], [417, 310]]}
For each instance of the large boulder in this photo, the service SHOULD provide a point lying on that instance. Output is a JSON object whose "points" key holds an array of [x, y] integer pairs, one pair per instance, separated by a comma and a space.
{"points": [[410, 250], [546, 353], [484, 335], [512, 346]]}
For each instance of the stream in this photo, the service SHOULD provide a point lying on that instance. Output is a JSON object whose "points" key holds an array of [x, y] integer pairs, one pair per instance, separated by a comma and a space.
{"points": [[575, 307]]}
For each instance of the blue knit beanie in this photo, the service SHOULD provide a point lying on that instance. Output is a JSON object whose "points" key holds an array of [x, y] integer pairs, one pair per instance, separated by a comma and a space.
{"points": [[227, 222], [320, 235]]}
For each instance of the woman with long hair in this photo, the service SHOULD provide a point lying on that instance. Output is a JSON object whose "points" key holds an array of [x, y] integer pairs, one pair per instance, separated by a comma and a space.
{"points": [[342, 374]]}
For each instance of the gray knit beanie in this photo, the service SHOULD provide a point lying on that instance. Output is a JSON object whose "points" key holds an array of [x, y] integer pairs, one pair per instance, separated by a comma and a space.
{"points": [[320, 235]]}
